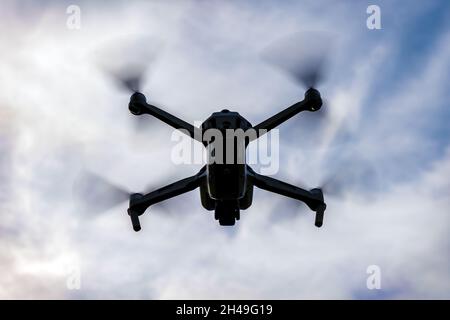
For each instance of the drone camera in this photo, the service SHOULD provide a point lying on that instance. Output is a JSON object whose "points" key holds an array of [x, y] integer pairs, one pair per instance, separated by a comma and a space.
{"points": [[227, 212]]}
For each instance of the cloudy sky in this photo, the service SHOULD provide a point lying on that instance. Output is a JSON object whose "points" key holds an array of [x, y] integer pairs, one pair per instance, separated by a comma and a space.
{"points": [[384, 137]]}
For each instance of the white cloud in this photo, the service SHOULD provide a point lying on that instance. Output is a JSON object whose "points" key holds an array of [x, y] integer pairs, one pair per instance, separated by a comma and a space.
{"points": [[68, 114]]}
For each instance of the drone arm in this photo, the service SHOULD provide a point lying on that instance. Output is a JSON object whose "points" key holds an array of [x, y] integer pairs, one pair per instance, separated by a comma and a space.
{"points": [[173, 121], [138, 105], [313, 199], [312, 102], [139, 203]]}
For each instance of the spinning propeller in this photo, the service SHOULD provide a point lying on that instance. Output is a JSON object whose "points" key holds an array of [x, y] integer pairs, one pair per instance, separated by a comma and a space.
{"points": [[128, 62], [94, 193], [303, 56]]}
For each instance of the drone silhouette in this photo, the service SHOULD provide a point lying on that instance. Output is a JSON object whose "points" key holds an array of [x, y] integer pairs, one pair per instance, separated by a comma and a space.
{"points": [[227, 188]]}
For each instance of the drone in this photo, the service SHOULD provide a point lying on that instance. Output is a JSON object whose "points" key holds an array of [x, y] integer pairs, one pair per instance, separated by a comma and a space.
{"points": [[227, 188]]}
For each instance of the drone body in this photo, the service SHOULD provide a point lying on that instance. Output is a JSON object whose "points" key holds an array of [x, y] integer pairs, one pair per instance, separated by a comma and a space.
{"points": [[226, 186]]}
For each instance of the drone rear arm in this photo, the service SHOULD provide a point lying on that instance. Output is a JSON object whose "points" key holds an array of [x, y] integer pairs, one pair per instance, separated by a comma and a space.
{"points": [[312, 102], [313, 199], [138, 105], [139, 203]]}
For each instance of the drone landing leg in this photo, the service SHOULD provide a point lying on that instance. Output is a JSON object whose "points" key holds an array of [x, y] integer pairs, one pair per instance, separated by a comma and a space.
{"points": [[139, 203], [313, 199]]}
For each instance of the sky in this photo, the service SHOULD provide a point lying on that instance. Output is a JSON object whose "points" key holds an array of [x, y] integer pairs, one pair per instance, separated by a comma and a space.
{"points": [[384, 136]]}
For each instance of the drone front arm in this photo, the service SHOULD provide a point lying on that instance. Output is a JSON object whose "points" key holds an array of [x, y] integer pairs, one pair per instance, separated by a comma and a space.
{"points": [[138, 105], [313, 199], [312, 102], [139, 203]]}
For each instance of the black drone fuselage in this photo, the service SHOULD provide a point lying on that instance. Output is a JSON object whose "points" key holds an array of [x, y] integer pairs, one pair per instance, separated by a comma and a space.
{"points": [[226, 188], [226, 182]]}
